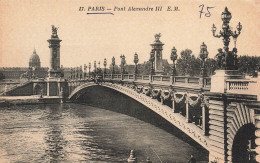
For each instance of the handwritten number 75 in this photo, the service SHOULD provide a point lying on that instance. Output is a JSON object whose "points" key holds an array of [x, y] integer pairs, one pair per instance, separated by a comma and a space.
{"points": [[207, 14]]}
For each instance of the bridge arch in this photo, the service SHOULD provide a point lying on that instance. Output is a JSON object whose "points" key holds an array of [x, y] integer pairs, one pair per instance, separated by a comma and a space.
{"points": [[164, 111], [37, 89], [241, 131]]}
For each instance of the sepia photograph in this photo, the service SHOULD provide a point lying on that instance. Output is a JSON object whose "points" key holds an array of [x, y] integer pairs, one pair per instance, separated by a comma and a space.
{"points": [[130, 81]]}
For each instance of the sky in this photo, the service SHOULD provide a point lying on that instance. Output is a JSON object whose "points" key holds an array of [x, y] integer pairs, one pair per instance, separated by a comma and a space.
{"points": [[26, 24]]}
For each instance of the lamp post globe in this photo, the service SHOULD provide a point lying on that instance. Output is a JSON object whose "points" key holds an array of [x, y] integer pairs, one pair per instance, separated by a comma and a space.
{"points": [[230, 58]]}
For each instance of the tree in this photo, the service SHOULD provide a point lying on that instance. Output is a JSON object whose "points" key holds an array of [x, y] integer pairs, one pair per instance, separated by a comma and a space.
{"points": [[2, 76], [248, 64], [116, 68], [188, 64], [211, 66]]}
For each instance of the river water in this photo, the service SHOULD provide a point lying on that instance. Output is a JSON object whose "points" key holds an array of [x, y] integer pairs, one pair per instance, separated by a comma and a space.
{"points": [[82, 133]]}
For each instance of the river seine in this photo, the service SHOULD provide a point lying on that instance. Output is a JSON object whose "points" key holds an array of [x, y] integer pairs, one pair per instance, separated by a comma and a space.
{"points": [[82, 133]]}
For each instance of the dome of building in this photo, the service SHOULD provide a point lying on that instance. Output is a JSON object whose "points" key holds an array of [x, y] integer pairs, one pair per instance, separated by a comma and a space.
{"points": [[35, 60]]}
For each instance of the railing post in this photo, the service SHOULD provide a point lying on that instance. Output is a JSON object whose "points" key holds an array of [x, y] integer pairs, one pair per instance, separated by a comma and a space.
{"points": [[187, 110], [135, 77], [186, 79], [202, 82], [204, 119], [151, 78], [173, 105], [162, 100], [172, 79]]}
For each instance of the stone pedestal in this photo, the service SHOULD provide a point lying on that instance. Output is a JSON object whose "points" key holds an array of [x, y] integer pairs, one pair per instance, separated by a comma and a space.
{"points": [[54, 86], [218, 81]]}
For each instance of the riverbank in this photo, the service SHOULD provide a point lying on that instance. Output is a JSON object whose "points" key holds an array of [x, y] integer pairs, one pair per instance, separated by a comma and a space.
{"points": [[28, 100]]}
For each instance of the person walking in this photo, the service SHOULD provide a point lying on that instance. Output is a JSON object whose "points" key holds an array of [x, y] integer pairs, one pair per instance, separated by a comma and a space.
{"points": [[192, 159]]}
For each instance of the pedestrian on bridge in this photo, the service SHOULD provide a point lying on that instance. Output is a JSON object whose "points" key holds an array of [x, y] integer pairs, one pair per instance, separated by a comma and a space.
{"points": [[192, 159]]}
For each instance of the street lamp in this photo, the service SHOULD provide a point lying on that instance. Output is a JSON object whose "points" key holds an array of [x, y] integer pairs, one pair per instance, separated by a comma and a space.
{"points": [[173, 58], [89, 67], [113, 64], [80, 72], [203, 55], [136, 60], [123, 62], [152, 58], [105, 65], [95, 66], [77, 75], [85, 70], [230, 58], [71, 73], [74, 73]]}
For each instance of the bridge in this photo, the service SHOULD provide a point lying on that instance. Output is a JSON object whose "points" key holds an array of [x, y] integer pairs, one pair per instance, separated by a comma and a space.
{"points": [[221, 112], [227, 124]]}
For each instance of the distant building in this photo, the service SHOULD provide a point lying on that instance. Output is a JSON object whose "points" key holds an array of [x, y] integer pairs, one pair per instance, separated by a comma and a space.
{"points": [[35, 60], [34, 69]]}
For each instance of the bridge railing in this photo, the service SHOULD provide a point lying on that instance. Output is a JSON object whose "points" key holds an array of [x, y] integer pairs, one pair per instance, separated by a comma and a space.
{"points": [[162, 79], [241, 86]]}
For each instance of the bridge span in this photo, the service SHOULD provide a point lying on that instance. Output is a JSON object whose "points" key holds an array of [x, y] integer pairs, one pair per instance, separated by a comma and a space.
{"points": [[226, 124]]}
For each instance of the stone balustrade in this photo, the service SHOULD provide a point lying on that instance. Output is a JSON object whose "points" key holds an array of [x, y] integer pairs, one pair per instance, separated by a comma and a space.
{"points": [[242, 86]]}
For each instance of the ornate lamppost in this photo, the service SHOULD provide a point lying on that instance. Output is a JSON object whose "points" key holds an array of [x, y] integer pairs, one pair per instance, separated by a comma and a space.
{"points": [[123, 62], [74, 73], [203, 55], [80, 72], [85, 71], [71, 73], [105, 65], [89, 67], [95, 67], [173, 58], [136, 60], [113, 66], [77, 70], [230, 60], [152, 58]]}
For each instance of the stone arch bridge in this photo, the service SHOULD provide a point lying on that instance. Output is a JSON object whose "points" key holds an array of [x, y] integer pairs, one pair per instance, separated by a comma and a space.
{"points": [[226, 124]]}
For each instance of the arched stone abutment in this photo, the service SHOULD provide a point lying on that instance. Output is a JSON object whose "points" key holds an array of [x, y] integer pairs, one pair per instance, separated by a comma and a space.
{"points": [[240, 133], [228, 114]]}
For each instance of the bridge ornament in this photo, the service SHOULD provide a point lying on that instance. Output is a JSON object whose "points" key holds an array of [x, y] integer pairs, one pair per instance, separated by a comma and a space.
{"points": [[192, 102], [165, 94], [139, 89], [146, 91], [204, 101], [179, 99], [156, 93]]}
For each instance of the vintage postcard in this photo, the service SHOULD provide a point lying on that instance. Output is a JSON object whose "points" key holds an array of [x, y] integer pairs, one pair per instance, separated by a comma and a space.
{"points": [[132, 81]]}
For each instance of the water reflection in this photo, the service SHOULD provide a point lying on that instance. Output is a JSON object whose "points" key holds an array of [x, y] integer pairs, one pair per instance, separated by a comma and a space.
{"points": [[80, 133]]}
